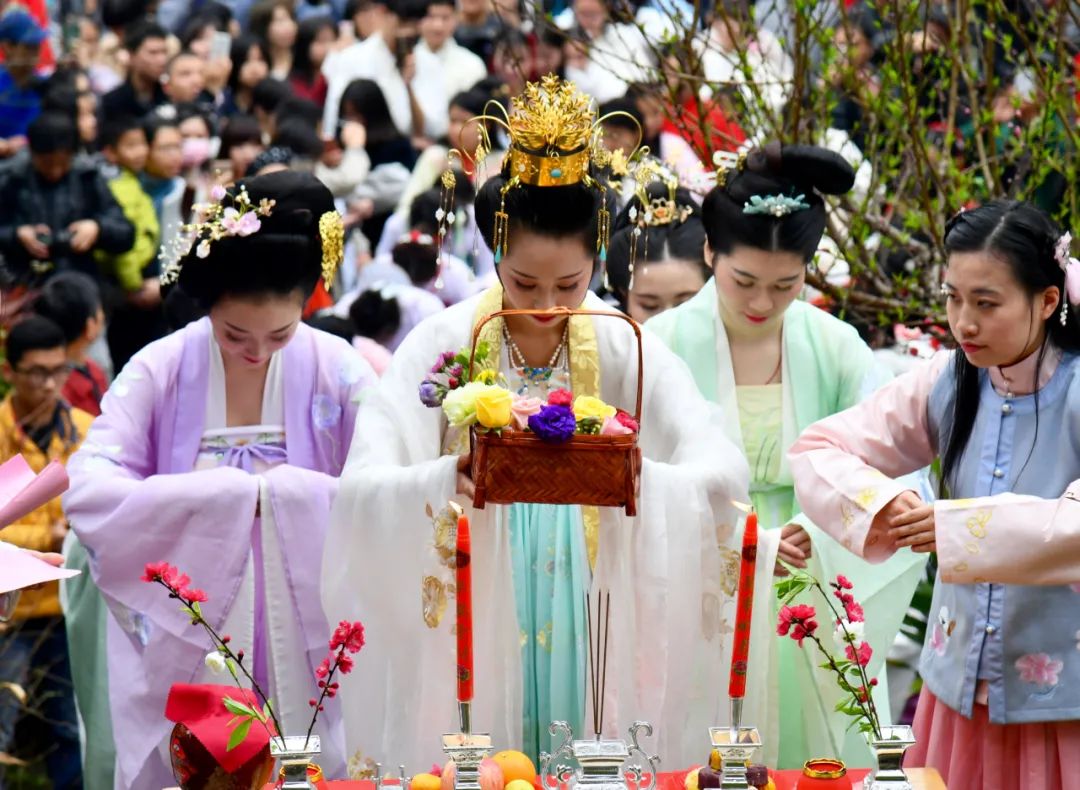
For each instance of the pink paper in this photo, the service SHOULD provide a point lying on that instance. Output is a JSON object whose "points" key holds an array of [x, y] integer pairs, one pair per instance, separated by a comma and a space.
{"points": [[19, 569], [22, 492]]}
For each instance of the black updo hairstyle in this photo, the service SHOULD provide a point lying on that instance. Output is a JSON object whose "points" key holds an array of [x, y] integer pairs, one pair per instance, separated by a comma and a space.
{"points": [[789, 170], [282, 258], [680, 240], [1024, 239], [558, 212], [421, 260], [376, 316]]}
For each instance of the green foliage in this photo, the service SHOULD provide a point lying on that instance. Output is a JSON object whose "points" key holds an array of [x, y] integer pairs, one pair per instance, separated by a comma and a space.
{"points": [[938, 126]]}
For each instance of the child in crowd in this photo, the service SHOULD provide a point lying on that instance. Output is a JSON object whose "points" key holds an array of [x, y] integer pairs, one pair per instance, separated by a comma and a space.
{"points": [[36, 423], [72, 300]]}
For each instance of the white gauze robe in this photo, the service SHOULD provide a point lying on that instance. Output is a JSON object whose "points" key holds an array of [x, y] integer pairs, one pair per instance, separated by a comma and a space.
{"points": [[669, 570]]}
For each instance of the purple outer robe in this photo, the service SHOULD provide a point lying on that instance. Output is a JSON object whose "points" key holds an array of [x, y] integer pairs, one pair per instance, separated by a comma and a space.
{"points": [[134, 499]]}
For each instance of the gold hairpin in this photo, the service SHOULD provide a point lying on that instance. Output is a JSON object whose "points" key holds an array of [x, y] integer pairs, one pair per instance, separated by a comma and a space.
{"points": [[332, 238]]}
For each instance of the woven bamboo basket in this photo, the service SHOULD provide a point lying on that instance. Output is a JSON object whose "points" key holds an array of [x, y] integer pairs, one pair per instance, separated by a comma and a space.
{"points": [[517, 466]]}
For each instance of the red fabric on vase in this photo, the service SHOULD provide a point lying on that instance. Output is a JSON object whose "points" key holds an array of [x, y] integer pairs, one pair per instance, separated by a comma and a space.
{"points": [[201, 708]]}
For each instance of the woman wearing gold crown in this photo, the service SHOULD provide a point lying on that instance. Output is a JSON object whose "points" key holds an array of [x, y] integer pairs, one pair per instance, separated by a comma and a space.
{"points": [[545, 217]]}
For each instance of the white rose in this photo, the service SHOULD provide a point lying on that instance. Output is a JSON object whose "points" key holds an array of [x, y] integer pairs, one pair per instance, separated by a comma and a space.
{"points": [[857, 631], [215, 662]]}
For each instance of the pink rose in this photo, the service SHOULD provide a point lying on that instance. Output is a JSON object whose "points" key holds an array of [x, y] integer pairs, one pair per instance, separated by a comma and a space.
{"points": [[560, 397], [612, 427], [522, 408], [1039, 668]]}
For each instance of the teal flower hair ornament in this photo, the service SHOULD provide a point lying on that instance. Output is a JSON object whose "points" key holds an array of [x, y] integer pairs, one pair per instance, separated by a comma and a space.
{"points": [[775, 205]]}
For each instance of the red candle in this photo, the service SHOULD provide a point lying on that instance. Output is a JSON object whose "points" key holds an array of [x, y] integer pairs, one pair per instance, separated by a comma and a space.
{"points": [[744, 609], [463, 575]]}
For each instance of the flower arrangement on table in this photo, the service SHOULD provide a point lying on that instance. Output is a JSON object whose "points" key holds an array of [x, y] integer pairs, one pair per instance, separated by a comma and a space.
{"points": [[346, 640], [487, 404], [799, 621]]}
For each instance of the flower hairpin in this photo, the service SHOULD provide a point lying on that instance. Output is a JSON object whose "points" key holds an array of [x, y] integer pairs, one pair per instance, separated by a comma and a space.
{"points": [[416, 237], [216, 221], [775, 205], [725, 162], [1071, 267]]}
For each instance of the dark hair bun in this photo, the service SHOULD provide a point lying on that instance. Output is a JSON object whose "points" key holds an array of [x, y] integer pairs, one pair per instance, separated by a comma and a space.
{"points": [[807, 170], [375, 315], [283, 256]]}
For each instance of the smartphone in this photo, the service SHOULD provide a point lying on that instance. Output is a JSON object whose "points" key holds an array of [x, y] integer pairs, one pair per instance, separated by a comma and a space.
{"points": [[220, 45]]}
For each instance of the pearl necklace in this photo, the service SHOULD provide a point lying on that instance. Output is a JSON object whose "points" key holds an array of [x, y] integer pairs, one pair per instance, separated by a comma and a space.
{"points": [[526, 371]]}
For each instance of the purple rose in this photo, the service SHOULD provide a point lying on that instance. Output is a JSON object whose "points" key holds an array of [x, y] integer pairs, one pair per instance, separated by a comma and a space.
{"points": [[554, 424], [430, 395]]}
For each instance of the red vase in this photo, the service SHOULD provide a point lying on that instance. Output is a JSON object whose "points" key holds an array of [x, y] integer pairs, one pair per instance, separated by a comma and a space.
{"points": [[196, 769]]}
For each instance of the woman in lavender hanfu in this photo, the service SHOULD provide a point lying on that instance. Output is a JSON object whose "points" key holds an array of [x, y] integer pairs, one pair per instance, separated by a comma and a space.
{"points": [[218, 450]]}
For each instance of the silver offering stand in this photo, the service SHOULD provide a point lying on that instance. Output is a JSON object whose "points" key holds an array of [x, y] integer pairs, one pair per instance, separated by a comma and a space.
{"points": [[467, 750], [401, 780], [601, 762], [736, 746]]}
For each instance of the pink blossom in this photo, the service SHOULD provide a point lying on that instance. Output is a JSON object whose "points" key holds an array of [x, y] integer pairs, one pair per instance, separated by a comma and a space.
{"points": [[217, 192], [860, 656], [349, 636], [237, 224], [345, 663], [323, 669], [612, 427], [193, 595], [938, 642], [799, 620], [843, 583], [854, 612], [522, 408], [155, 571], [1039, 668]]}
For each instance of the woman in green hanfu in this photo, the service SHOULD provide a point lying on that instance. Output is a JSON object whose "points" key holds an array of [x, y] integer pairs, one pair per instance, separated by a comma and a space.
{"points": [[775, 365]]}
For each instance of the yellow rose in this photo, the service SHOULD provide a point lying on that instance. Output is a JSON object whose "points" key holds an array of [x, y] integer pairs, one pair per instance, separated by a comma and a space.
{"points": [[493, 407], [587, 407]]}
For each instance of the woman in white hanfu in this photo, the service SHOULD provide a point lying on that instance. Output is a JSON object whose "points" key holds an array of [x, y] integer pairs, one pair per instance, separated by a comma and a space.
{"points": [[671, 571]]}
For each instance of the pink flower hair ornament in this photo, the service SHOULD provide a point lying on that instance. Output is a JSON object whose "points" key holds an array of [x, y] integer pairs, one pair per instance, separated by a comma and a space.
{"points": [[1071, 267]]}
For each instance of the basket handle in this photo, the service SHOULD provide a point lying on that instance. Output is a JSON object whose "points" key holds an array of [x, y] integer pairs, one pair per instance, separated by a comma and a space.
{"points": [[566, 311]]}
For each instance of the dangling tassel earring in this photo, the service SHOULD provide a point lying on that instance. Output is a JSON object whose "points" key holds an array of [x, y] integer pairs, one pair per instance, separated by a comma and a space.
{"points": [[502, 224], [603, 230], [445, 217], [1064, 311]]}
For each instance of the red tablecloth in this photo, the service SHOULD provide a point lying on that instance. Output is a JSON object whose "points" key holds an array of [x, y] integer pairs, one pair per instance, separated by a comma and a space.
{"points": [[785, 780]]}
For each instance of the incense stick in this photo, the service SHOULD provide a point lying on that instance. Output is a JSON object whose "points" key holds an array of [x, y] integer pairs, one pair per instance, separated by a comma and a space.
{"points": [[598, 655], [603, 682]]}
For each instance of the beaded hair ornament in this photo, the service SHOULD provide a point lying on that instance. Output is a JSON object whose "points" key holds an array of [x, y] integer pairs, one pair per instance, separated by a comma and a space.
{"points": [[777, 206], [655, 212], [233, 214], [554, 137]]}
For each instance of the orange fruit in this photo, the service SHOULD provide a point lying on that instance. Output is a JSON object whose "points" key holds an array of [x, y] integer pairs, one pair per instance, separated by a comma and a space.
{"points": [[426, 782], [515, 765]]}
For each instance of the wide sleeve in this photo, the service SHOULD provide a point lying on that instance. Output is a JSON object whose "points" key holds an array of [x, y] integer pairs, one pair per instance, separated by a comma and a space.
{"points": [[127, 514], [1010, 539], [844, 467]]}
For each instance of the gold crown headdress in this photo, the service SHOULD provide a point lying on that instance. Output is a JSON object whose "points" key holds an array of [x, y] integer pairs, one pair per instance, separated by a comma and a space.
{"points": [[654, 212], [554, 137]]}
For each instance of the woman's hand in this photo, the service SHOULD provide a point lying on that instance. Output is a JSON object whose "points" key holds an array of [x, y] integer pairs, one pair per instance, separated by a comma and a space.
{"points": [[909, 522], [915, 529], [465, 485], [795, 548]]}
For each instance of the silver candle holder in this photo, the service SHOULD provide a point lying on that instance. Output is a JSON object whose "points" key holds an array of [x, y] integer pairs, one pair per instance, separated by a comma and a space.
{"points": [[737, 746], [601, 762], [467, 750]]}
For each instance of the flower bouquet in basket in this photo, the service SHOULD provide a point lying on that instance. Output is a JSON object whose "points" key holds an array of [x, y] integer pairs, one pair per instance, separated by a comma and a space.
{"points": [[566, 451], [216, 736]]}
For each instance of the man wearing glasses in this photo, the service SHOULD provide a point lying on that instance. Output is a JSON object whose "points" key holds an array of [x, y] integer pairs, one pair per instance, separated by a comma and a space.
{"points": [[38, 424]]}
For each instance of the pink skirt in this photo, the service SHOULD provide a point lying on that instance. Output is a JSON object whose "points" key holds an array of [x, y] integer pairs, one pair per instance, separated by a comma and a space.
{"points": [[975, 754]]}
